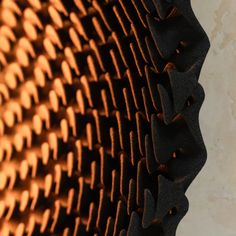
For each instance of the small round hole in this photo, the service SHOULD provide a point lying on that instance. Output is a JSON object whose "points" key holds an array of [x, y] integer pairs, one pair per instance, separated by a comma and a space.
{"points": [[174, 155], [190, 101], [173, 211]]}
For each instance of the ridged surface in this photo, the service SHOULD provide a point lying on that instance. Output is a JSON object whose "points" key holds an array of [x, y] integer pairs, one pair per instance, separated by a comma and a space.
{"points": [[99, 131]]}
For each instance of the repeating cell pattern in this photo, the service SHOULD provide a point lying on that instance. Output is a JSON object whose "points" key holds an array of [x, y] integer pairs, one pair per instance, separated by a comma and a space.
{"points": [[99, 105]]}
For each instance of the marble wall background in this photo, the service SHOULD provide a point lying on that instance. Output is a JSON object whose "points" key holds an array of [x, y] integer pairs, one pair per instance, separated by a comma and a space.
{"points": [[213, 194]]}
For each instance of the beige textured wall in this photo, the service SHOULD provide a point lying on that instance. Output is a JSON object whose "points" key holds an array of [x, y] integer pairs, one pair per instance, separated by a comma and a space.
{"points": [[213, 194]]}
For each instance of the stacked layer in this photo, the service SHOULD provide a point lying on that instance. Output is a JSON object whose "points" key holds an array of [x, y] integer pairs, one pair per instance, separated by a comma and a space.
{"points": [[99, 131]]}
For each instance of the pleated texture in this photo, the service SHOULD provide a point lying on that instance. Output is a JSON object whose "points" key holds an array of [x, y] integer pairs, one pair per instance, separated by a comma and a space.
{"points": [[99, 130]]}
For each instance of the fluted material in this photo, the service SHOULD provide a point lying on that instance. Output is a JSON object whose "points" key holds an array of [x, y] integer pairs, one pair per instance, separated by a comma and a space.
{"points": [[99, 130]]}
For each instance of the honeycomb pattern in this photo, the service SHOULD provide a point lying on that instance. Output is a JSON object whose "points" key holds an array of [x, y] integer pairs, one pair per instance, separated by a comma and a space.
{"points": [[99, 105]]}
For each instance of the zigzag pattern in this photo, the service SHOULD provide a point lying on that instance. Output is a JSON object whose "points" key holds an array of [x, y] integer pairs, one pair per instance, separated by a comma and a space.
{"points": [[99, 130]]}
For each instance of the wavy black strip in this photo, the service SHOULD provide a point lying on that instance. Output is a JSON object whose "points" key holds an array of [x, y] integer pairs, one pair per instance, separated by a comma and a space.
{"points": [[99, 129]]}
